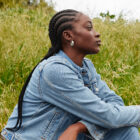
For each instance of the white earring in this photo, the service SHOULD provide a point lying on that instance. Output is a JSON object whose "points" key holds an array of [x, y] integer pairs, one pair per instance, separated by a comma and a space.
{"points": [[72, 43]]}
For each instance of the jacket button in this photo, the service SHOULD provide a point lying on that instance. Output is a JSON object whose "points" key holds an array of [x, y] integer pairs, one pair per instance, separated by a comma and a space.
{"points": [[96, 89]]}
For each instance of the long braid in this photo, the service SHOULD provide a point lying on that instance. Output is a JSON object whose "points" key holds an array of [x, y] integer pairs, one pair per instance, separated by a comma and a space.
{"points": [[59, 22]]}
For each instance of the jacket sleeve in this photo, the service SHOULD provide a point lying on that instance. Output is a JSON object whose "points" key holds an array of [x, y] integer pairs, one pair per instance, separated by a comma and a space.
{"points": [[95, 131], [61, 86]]}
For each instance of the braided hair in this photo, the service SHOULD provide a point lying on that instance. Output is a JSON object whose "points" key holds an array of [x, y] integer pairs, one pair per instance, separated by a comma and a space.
{"points": [[59, 22]]}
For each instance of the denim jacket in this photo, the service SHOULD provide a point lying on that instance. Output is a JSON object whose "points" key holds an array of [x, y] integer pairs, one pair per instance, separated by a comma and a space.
{"points": [[61, 93]]}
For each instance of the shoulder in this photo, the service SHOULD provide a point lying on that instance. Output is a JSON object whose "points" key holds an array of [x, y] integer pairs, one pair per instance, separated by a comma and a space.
{"points": [[55, 61], [56, 66]]}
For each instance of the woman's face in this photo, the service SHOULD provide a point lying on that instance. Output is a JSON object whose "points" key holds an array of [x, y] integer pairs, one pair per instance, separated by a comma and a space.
{"points": [[86, 39]]}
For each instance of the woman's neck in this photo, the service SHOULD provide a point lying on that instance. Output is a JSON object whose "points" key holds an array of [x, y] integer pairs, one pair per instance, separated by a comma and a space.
{"points": [[74, 56]]}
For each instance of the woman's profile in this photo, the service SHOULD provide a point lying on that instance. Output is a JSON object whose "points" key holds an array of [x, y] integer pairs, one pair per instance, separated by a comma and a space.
{"points": [[64, 97]]}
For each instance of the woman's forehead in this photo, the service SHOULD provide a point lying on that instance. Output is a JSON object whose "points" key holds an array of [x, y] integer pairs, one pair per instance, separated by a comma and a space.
{"points": [[82, 18]]}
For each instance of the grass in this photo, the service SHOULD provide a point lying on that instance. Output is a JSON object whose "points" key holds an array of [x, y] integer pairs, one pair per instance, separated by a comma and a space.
{"points": [[24, 41]]}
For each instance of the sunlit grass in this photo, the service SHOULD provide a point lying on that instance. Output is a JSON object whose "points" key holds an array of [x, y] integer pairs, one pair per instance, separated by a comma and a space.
{"points": [[24, 41]]}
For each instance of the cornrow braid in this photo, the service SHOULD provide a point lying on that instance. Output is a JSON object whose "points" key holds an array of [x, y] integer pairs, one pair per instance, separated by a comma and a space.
{"points": [[59, 22], [52, 30]]}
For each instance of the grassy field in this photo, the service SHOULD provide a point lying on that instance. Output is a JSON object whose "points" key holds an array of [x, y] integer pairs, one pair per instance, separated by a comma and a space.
{"points": [[24, 41]]}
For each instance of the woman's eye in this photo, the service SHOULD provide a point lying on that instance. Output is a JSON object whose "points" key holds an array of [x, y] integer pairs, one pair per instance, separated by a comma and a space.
{"points": [[89, 28]]}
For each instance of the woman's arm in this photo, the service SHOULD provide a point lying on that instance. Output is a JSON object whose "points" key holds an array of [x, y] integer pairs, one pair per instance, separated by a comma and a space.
{"points": [[72, 131], [62, 87]]}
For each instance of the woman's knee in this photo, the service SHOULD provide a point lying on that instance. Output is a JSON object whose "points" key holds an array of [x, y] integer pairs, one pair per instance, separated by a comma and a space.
{"points": [[124, 133], [133, 133]]}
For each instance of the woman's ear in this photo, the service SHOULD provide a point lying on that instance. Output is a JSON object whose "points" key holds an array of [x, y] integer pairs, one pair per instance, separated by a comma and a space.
{"points": [[67, 35]]}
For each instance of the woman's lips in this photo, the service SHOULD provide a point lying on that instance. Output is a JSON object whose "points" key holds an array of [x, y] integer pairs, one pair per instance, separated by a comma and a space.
{"points": [[99, 42]]}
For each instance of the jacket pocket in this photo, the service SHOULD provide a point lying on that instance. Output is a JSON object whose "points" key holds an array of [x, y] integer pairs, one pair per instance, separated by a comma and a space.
{"points": [[7, 135]]}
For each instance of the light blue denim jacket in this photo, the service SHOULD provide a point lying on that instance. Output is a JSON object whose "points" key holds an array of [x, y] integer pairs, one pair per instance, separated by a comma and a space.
{"points": [[61, 93]]}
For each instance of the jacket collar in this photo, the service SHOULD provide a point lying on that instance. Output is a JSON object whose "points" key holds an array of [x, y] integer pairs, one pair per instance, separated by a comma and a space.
{"points": [[63, 54]]}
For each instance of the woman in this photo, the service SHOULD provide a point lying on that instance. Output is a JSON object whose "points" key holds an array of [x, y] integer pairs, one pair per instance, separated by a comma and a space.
{"points": [[64, 98]]}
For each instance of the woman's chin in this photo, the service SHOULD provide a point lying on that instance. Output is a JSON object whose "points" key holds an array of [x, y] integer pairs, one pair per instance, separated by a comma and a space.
{"points": [[95, 51]]}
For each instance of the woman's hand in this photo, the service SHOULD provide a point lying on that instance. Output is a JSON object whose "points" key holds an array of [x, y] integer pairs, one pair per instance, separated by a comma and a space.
{"points": [[69, 134], [72, 131]]}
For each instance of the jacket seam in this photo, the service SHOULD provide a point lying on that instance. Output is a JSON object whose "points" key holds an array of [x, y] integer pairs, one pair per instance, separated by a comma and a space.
{"points": [[59, 126], [23, 126], [48, 127]]}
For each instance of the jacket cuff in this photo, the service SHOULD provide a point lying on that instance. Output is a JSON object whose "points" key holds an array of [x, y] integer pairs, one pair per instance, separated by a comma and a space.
{"points": [[96, 132]]}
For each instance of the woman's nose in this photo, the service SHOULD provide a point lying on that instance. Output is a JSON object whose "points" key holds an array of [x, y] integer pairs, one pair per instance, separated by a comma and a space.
{"points": [[97, 34]]}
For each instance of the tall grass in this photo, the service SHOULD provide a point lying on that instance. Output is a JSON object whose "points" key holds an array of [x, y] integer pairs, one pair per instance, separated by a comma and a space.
{"points": [[24, 41], [11, 3]]}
